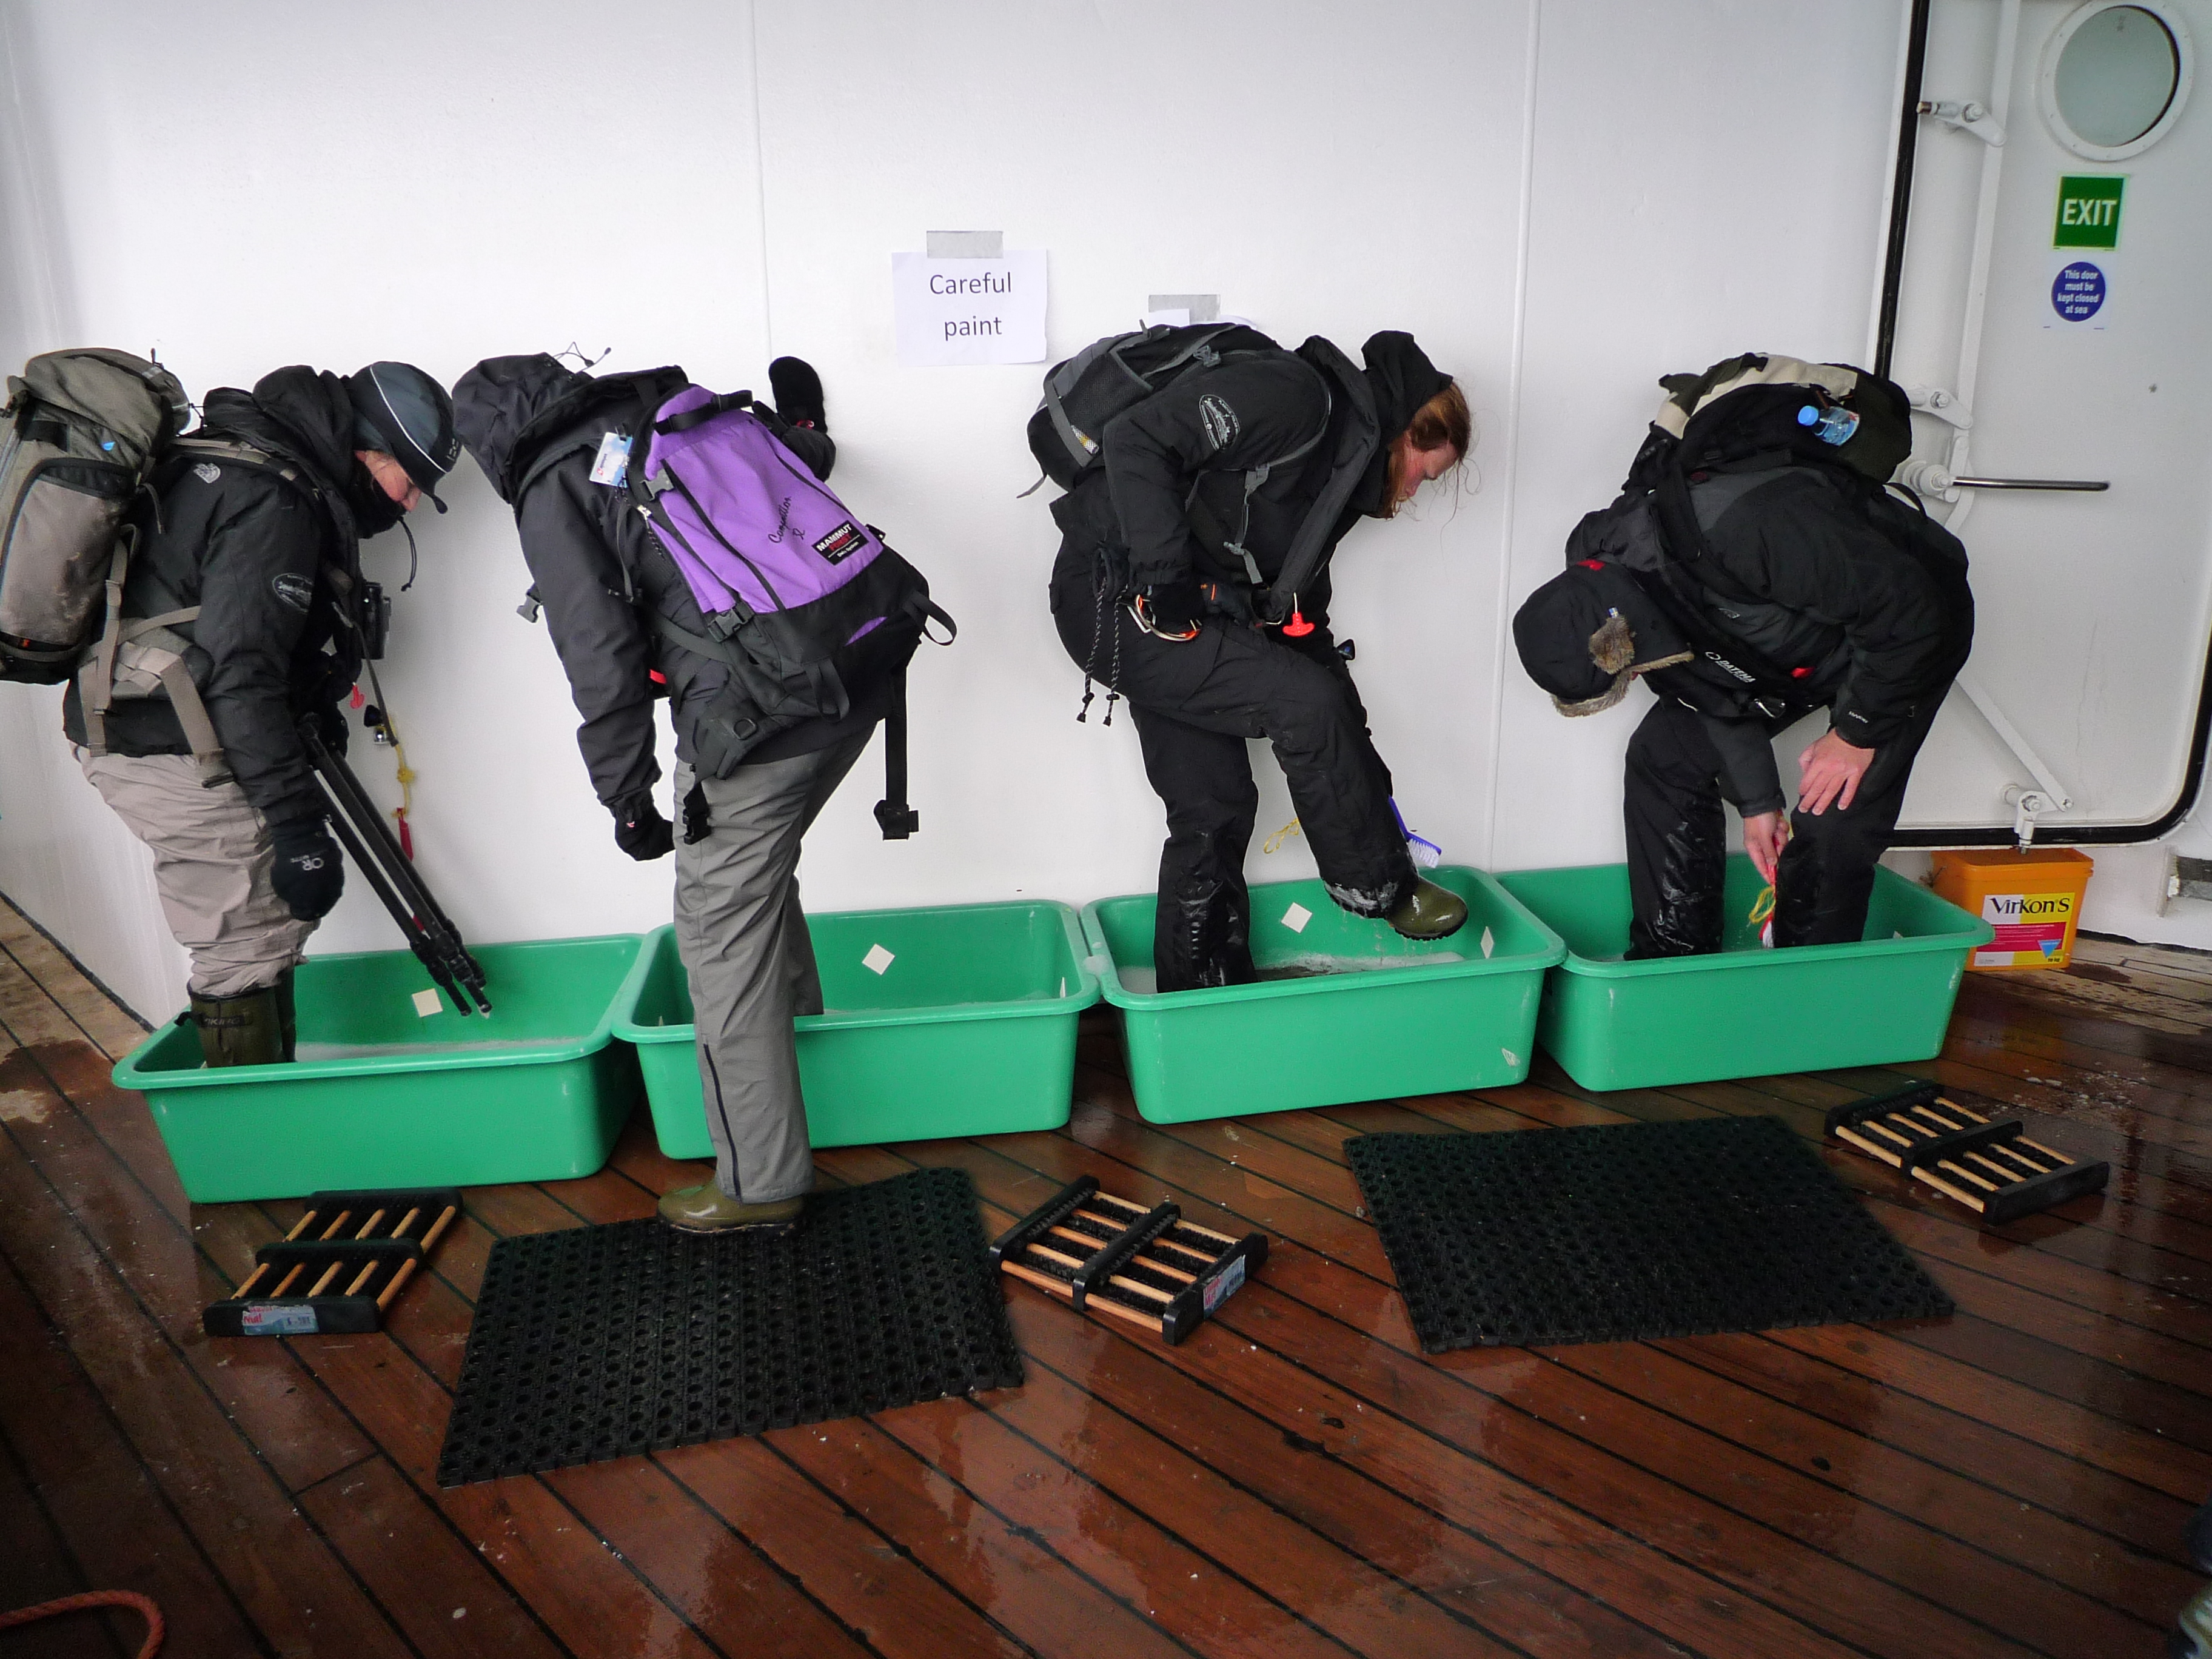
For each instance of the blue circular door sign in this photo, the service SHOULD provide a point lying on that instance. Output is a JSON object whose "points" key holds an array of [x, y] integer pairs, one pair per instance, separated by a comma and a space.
{"points": [[2078, 293]]}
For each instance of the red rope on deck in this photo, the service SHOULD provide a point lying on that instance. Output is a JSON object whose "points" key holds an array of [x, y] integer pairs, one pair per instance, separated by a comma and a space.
{"points": [[89, 1600]]}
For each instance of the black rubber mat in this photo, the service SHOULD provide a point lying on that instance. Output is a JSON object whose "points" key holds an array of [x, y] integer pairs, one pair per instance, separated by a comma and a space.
{"points": [[1635, 1230], [600, 1342]]}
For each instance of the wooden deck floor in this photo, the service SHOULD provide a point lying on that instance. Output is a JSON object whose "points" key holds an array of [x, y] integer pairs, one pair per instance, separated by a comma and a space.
{"points": [[1296, 1480]]}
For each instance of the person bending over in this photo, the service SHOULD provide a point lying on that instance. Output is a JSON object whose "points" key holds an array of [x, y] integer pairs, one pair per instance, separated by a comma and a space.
{"points": [[250, 566], [1755, 571], [1173, 557], [542, 434]]}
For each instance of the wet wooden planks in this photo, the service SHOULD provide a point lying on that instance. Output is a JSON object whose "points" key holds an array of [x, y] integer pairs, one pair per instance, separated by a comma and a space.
{"points": [[1296, 1479]]}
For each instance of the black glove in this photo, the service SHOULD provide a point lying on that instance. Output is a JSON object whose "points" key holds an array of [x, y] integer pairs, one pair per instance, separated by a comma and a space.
{"points": [[640, 830], [797, 392], [1174, 607], [309, 875]]}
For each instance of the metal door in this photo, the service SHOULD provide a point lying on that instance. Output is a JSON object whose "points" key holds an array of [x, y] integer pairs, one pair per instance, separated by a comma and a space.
{"points": [[2054, 325]]}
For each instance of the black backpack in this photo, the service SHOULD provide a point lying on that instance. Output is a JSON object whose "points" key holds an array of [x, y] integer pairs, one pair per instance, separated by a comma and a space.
{"points": [[1110, 377], [1759, 425]]}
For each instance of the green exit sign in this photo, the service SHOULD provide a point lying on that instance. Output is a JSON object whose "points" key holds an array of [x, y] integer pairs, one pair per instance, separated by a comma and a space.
{"points": [[2088, 211]]}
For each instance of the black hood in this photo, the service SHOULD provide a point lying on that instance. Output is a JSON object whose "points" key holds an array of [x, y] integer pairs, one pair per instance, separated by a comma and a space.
{"points": [[1552, 628], [303, 414], [505, 408], [1402, 379]]}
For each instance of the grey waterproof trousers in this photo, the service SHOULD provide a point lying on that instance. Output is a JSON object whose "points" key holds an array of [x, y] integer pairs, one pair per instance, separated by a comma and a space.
{"points": [[751, 962], [212, 858]]}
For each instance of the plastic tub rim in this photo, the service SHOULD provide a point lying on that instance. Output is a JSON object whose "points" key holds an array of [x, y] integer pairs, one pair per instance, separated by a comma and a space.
{"points": [[127, 1075], [1314, 985], [1083, 995], [1971, 937]]}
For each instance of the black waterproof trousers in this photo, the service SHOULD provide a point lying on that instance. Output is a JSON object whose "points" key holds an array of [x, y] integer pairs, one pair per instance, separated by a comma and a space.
{"points": [[1678, 840], [1196, 702]]}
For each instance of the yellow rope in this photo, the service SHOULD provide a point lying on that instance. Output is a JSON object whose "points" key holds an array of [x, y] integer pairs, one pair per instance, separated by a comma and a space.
{"points": [[1762, 907], [1274, 841]]}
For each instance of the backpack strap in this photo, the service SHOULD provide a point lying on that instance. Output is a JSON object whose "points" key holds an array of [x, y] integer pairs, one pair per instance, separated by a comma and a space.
{"points": [[893, 815], [1313, 546]]}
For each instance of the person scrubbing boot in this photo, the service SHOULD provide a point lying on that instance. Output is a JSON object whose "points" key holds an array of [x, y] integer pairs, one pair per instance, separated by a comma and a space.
{"points": [[1193, 578], [1755, 570]]}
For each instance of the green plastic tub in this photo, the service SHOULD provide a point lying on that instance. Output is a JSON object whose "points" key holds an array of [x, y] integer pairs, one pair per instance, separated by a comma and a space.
{"points": [[1747, 1011], [385, 1095], [968, 1029], [1346, 1010]]}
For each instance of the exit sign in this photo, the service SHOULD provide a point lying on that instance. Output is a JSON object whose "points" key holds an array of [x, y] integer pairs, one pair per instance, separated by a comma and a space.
{"points": [[2088, 211]]}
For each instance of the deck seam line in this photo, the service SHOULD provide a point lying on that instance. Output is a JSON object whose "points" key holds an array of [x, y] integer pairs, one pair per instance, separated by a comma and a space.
{"points": [[30, 1484], [1849, 1567], [107, 1407]]}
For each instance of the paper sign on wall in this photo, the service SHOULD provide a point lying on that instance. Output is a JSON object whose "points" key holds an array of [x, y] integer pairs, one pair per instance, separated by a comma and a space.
{"points": [[952, 313]]}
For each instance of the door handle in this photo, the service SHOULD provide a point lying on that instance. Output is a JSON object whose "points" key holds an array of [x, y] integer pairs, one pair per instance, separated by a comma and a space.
{"points": [[2030, 484]]}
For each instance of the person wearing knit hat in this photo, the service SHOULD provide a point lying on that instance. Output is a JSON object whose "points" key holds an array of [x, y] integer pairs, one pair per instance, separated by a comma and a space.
{"points": [[252, 565], [1193, 579]]}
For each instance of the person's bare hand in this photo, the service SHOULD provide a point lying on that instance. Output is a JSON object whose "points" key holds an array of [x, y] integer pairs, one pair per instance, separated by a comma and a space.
{"points": [[1765, 834], [1829, 772]]}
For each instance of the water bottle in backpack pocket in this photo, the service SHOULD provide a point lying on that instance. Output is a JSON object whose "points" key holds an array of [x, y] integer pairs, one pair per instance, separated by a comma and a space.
{"points": [[84, 428]]}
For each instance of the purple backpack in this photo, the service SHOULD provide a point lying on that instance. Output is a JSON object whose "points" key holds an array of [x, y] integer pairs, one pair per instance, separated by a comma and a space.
{"points": [[802, 600]]}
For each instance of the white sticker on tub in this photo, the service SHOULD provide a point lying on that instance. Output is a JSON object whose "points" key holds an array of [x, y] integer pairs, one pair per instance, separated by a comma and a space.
{"points": [[1489, 944], [1296, 917], [427, 1003], [877, 959]]}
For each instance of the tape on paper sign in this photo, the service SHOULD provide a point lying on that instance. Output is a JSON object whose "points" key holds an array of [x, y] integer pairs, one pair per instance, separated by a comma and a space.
{"points": [[965, 243]]}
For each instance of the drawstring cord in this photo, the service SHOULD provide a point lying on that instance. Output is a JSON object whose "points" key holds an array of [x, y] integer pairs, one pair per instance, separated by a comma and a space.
{"points": [[1101, 580]]}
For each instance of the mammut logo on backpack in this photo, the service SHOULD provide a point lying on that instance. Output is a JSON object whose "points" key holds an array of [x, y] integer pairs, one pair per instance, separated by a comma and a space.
{"points": [[844, 540], [298, 592]]}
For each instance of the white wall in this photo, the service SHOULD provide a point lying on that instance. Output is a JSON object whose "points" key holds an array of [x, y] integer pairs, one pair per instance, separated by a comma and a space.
{"points": [[1561, 201]]}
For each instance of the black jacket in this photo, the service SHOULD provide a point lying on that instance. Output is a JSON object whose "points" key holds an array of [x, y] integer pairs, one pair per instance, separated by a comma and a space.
{"points": [[256, 554], [600, 574], [1838, 593], [1170, 496]]}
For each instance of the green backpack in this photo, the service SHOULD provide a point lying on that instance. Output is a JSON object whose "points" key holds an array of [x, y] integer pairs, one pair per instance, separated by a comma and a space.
{"points": [[84, 429]]}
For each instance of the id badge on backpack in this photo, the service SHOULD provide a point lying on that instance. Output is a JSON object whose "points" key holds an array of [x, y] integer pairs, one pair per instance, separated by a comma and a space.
{"points": [[610, 466]]}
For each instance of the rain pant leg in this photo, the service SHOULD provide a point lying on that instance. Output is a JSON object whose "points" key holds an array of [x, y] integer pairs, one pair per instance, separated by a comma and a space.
{"points": [[1820, 892], [1677, 835], [1202, 932], [751, 962], [1234, 681], [213, 856]]}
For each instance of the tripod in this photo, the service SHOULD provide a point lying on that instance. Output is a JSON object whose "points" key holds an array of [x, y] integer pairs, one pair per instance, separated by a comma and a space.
{"points": [[360, 828]]}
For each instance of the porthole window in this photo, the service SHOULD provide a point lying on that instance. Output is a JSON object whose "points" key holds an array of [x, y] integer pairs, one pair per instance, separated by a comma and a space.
{"points": [[2115, 77]]}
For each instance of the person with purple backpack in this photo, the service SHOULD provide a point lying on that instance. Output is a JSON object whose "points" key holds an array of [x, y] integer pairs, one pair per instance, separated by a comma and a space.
{"points": [[682, 545]]}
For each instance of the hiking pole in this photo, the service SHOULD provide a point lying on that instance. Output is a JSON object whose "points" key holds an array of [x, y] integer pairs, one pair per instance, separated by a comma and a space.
{"points": [[360, 829]]}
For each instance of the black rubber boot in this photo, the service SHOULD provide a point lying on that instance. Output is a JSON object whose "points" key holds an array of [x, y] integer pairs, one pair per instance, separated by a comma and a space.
{"points": [[797, 392], [288, 1014], [246, 1029], [1430, 911]]}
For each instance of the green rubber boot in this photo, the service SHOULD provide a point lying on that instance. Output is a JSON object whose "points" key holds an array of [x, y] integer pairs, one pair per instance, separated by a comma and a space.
{"points": [[1429, 912], [246, 1029], [708, 1209]]}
